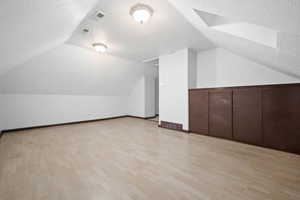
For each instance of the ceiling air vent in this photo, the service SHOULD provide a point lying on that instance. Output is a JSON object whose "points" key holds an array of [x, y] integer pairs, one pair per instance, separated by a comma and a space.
{"points": [[99, 14], [86, 30]]}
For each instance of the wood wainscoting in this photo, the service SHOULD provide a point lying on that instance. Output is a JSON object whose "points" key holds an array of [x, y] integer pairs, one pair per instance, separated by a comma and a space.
{"points": [[263, 115]]}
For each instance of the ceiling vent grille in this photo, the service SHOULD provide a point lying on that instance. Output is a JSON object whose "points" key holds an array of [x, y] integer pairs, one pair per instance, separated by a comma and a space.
{"points": [[99, 15]]}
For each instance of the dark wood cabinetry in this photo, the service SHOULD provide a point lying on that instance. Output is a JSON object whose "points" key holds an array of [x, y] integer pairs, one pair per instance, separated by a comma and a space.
{"points": [[220, 114], [281, 117], [267, 115], [247, 116], [199, 111]]}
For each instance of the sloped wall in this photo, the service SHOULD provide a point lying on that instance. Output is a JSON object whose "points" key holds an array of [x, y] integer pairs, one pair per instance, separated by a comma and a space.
{"points": [[221, 68], [68, 84], [206, 68], [21, 111], [71, 70], [30, 28]]}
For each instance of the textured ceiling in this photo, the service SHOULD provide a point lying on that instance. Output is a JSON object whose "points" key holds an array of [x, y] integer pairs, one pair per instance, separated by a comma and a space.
{"points": [[282, 16]]}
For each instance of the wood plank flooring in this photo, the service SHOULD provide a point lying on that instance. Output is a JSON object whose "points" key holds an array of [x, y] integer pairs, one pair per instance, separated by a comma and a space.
{"points": [[133, 159]]}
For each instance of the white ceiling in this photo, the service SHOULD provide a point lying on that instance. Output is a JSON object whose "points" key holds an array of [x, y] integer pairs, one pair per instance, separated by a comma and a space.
{"points": [[31, 27], [166, 32], [282, 16]]}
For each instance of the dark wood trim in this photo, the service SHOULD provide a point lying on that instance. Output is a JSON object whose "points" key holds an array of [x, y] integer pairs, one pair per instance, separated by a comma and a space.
{"points": [[208, 107], [186, 131], [250, 86], [152, 117], [63, 124], [1, 134], [72, 123], [262, 118]]}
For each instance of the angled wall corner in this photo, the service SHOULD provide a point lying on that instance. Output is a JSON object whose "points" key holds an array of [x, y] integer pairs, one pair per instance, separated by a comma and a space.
{"points": [[67, 84], [141, 100], [176, 76], [211, 19], [222, 68], [248, 31], [289, 43], [259, 34]]}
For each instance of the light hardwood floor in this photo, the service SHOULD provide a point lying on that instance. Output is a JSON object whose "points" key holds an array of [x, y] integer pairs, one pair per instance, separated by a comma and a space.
{"points": [[134, 159]]}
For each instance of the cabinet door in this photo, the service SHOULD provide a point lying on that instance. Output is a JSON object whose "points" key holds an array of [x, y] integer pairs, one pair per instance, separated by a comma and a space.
{"points": [[220, 114], [198, 113], [247, 116], [281, 118]]}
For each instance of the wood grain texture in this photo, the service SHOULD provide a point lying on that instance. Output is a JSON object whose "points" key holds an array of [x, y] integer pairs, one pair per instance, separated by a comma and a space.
{"points": [[198, 111], [263, 115], [220, 114], [281, 118], [133, 159], [247, 116]]}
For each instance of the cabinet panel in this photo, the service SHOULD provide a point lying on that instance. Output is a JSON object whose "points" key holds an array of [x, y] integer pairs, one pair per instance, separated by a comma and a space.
{"points": [[220, 114], [247, 116], [265, 115], [281, 118], [198, 111]]}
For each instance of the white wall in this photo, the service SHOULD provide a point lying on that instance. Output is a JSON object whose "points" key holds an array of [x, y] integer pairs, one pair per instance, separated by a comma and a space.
{"points": [[173, 87], [157, 96], [192, 68], [69, 84], [150, 96], [71, 70], [221, 68], [251, 32], [136, 100], [34, 110], [141, 101], [206, 68]]}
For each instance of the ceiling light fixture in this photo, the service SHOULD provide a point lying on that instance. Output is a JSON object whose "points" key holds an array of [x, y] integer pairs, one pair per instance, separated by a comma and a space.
{"points": [[141, 13], [100, 47]]}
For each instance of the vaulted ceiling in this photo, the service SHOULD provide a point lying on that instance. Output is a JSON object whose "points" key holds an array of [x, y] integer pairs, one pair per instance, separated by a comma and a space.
{"points": [[281, 17], [165, 32], [30, 28]]}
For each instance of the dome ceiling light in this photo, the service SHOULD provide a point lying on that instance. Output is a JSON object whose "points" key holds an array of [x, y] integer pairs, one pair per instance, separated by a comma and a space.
{"points": [[141, 13], [100, 47]]}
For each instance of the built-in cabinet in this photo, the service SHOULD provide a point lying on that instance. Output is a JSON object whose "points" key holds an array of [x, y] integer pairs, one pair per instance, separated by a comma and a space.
{"points": [[220, 113], [198, 111], [247, 113], [281, 117], [267, 116]]}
